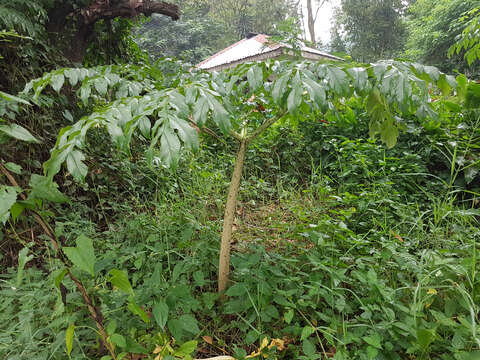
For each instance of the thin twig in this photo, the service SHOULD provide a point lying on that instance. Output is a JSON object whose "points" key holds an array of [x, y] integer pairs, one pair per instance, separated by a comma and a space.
{"points": [[266, 124]]}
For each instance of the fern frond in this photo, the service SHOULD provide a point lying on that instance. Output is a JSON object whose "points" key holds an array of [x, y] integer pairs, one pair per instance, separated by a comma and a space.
{"points": [[26, 17]]}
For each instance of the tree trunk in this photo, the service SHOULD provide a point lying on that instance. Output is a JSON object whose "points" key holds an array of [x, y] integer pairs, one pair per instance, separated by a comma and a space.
{"points": [[85, 18], [224, 262], [311, 22]]}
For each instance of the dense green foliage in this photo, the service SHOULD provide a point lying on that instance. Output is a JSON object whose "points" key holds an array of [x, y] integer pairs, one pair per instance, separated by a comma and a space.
{"points": [[356, 232], [371, 30], [434, 26], [209, 26]]}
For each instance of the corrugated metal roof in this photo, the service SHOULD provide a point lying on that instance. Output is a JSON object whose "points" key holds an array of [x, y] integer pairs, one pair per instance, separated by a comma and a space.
{"points": [[249, 47]]}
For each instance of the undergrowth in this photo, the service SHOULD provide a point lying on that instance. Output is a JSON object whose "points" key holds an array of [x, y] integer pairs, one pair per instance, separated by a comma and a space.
{"points": [[350, 252]]}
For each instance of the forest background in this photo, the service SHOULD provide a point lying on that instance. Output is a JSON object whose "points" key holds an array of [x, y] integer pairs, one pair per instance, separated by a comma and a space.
{"points": [[353, 187]]}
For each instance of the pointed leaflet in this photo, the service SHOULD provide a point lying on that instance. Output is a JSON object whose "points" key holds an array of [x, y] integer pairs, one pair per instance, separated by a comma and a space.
{"points": [[75, 165], [12, 98], [101, 85], [59, 278], [175, 328], [288, 316], [57, 82], [379, 70], [169, 145], [425, 111], [403, 91], [308, 348], [316, 91], [200, 110], [432, 72], [389, 132], [119, 279], [69, 338], [118, 340], [18, 132], [360, 78], [387, 84], [52, 166], [462, 82], [160, 313], [23, 258], [16, 210], [375, 340], [85, 92], [381, 120], [15, 168], [178, 101], [255, 77], [46, 189], [306, 332], [444, 84], [190, 94], [295, 97], [220, 115], [137, 310], [280, 88], [8, 196], [72, 75], [338, 80], [145, 126], [189, 324], [186, 349], [187, 133], [82, 256]]}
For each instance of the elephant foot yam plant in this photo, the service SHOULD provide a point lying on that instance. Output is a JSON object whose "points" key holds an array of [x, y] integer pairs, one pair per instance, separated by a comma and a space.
{"points": [[139, 107], [130, 101]]}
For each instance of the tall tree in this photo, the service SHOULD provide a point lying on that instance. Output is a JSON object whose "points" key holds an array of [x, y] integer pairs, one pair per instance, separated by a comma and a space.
{"points": [[433, 28], [244, 16], [372, 29], [72, 25], [311, 21], [312, 14], [208, 26], [66, 16], [192, 38]]}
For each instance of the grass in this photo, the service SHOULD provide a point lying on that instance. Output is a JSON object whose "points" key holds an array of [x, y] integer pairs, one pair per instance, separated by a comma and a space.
{"points": [[345, 266]]}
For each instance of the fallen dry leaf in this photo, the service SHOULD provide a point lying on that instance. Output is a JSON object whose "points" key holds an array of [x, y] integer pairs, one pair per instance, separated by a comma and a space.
{"points": [[208, 339]]}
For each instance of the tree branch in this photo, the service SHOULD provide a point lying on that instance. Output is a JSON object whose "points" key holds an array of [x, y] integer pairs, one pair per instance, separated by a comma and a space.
{"points": [[104, 9], [266, 124]]}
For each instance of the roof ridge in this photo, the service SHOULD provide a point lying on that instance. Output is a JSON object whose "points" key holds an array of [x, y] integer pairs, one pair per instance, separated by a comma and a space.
{"points": [[221, 52]]}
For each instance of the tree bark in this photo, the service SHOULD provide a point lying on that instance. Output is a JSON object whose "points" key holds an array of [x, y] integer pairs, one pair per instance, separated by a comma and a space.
{"points": [[85, 18], [224, 261], [311, 22], [110, 9]]}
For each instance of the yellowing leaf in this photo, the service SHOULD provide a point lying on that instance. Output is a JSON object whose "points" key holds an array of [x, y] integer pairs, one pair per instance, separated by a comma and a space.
{"points": [[208, 339], [278, 343], [264, 343], [157, 349], [432, 291]]}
